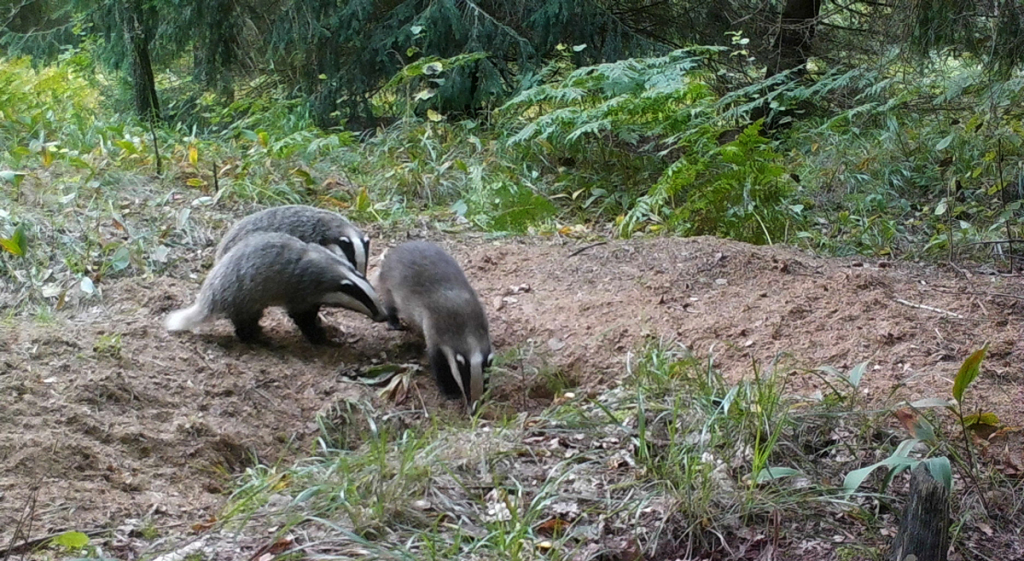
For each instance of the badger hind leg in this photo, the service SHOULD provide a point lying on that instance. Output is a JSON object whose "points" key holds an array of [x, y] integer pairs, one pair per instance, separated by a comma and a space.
{"points": [[308, 322], [247, 327]]}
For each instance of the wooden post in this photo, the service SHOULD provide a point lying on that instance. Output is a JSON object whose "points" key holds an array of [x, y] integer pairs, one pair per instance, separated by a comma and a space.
{"points": [[924, 529]]}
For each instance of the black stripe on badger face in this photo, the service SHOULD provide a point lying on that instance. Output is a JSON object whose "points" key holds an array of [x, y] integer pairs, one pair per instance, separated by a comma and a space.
{"points": [[451, 383], [358, 294], [355, 293], [345, 243], [356, 251]]}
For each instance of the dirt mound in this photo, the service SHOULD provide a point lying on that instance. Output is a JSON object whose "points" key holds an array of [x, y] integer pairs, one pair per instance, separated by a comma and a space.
{"points": [[104, 415]]}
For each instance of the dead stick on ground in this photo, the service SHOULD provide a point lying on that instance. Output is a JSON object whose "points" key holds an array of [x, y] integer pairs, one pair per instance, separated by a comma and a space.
{"points": [[929, 308], [582, 249]]}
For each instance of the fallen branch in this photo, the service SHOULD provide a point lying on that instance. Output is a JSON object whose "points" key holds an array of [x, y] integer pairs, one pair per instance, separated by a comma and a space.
{"points": [[582, 249], [970, 293], [929, 308]]}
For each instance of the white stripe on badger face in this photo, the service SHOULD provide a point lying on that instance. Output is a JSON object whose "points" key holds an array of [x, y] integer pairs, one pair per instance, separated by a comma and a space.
{"points": [[454, 360], [476, 379]]}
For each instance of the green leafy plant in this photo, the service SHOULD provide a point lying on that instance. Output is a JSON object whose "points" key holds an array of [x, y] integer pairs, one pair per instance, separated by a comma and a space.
{"points": [[923, 432]]}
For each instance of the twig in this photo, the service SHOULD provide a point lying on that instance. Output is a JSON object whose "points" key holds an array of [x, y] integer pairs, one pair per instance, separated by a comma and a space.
{"points": [[971, 293], [929, 308], [991, 242], [24, 527], [582, 249]]}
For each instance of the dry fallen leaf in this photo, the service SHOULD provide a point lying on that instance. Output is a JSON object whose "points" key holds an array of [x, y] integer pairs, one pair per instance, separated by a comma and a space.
{"points": [[204, 526], [552, 527]]}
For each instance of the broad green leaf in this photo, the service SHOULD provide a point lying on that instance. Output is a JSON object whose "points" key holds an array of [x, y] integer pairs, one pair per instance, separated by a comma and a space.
{"points": [[944, 142], [856, 373], [380, 374], [968, 372], [304, 175], [905, 447], [923, 430], [12, 177], [121, 259], [16, 244], [941, 471], [930, 402], [434, 115], [940, 208], [855, 478], [87, 286], [160, 254], [982, 419], [433, 68], [771, 473], [72, 540]]}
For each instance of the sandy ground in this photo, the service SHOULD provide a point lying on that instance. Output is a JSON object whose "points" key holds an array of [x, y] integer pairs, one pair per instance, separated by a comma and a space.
{"points": [[105, 416]]}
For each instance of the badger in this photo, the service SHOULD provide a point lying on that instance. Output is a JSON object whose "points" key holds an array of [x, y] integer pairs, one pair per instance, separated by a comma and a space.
{"points": [[423, 286], [273, 269], [311, 225]]}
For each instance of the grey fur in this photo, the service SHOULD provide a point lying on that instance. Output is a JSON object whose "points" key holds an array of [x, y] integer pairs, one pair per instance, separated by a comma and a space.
{"points": [[309, 224], [273, 269], [423, 286]]}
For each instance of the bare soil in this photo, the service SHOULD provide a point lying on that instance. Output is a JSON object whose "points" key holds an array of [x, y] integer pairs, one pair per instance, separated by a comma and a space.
{"points": [[105, 416]]}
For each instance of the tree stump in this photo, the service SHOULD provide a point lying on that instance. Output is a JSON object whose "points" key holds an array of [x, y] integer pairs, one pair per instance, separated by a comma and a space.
{"points": [[924, 529]]}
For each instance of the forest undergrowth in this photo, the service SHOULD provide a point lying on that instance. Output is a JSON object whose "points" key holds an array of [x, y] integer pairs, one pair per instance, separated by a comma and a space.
{"points": [[674, 462]]}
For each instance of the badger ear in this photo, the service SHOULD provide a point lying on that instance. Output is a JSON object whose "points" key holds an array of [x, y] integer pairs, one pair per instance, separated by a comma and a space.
{"points": [[460, 359], [489, 360]]}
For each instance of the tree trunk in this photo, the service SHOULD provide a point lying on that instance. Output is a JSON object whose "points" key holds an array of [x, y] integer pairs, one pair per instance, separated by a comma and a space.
{"points": [[924, 528], [143, 83], [792, 46], [790, 49]]}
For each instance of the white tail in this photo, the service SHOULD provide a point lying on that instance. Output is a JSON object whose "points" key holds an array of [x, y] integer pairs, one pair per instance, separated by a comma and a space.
{"points": [[185, 318]]}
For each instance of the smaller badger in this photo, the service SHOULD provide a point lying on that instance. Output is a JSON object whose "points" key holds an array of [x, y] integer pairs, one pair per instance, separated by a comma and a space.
{"points": [[423, 286], [272, 269], [311, 225]]}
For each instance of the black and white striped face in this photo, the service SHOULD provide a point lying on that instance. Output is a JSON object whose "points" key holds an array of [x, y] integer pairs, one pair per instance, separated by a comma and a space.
{"points": [[467, 368], [354, 246], [355, 293]]}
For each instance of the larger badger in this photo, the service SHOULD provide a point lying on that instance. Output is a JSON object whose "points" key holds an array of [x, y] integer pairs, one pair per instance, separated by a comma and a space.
{"points": [[272, 269], [420, 284], [309, 224]]}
